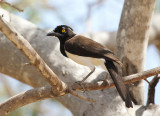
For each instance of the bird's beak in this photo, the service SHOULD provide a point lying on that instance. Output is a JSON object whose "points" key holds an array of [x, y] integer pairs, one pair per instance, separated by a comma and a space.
{"points": [[52, 33]]}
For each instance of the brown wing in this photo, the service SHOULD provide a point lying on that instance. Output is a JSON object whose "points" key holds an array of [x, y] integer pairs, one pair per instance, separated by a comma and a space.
{"points": [[83, 46]]}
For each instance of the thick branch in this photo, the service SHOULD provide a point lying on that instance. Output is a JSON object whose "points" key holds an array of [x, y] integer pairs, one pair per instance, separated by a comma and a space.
{"points": [[25, 98], [22, 44]]}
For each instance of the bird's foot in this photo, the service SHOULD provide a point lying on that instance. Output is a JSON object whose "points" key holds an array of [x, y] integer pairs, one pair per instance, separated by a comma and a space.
{"points": [[107, 82], [80, 83]]}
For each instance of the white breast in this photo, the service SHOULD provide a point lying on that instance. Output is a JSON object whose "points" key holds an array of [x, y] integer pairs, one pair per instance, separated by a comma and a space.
{"points": [[86, 61]]}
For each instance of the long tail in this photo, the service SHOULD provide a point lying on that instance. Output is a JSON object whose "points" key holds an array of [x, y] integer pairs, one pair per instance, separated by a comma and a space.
{"points": [[121, 88]]}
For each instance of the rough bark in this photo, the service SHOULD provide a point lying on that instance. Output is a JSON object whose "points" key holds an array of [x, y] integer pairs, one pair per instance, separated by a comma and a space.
{"points": [[132, 41]]}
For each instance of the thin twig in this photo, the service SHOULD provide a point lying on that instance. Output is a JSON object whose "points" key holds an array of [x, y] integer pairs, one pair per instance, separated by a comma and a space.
{"points": [[147, 81], [81, 97], [90, 6], [4, 2]]}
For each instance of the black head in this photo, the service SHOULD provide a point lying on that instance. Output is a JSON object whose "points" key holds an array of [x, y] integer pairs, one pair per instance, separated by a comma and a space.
{"points": [[62, 32]]}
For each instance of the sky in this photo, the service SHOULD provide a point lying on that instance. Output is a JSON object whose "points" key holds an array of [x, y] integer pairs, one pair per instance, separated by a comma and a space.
{"points": [[101, 14], [104, 17]]}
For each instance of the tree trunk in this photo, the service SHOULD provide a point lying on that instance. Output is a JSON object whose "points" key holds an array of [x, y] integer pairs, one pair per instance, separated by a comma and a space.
{"points": [[132, 41]]}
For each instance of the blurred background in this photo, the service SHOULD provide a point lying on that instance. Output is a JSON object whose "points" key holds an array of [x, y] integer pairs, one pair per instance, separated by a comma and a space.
{"points": [[84, 16]]}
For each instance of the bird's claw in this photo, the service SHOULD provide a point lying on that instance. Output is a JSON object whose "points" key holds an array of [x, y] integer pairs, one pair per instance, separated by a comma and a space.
{"points": [[106, 82], [80, 83]]}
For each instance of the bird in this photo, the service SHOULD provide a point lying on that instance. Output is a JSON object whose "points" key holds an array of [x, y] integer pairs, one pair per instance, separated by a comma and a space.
{"points": [[84, 49]]}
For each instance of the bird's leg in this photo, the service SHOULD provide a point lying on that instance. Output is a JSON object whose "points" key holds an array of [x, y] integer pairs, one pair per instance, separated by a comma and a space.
{"points": [[88, 75], [106, 80], [80, 82]]}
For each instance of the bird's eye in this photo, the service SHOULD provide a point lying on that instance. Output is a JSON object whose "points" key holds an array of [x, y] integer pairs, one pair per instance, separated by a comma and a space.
{"points": [[63, 30]]}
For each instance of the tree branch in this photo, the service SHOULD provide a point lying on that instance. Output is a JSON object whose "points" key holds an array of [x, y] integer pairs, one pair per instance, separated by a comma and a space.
{"points": [[25, 98], [59, 87], [45, 92], [127, 80], [4, 2]]}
